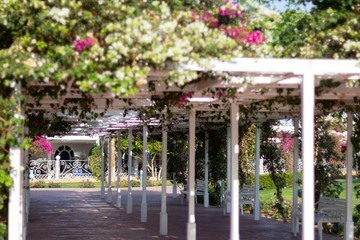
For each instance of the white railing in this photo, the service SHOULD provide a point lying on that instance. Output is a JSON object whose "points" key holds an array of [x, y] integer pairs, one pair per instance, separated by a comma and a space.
{"points": [[59, 169]]}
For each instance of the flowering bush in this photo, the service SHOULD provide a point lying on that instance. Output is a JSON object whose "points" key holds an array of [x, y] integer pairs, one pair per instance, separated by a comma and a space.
{"points": [[37, 184], [87, 184], [271, 209], [54, 185], [40, 147], [232, 21], [287, 149]]}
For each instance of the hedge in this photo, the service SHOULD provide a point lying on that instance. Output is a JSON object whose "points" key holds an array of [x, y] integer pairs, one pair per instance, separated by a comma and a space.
{"points": [[267, 183]]}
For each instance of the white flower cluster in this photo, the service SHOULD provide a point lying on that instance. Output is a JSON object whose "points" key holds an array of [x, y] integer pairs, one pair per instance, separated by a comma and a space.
{"points": [[59, 14], [352, 46]]}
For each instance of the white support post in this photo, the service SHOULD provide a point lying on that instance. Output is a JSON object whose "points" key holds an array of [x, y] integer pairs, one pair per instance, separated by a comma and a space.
{"points": [[294, 224], [129, 206], [228, 164], [191, 225], [349, 224], [174, 186], [16, 210], [102, 168], [308, 182], [234, 213], [206, 194], [109, 194], [144, 170], [49, 164], [27, 185], [257, 175], [163, 213], [118, 196], [57, 167]]}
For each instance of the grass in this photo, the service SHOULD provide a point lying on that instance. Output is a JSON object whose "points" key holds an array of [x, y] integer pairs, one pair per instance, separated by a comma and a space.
{"points": [[268, 195]]}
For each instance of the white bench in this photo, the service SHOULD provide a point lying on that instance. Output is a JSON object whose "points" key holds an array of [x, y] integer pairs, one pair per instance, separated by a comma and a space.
{"points": [[199, 190], [330, 210], [246, 196]]}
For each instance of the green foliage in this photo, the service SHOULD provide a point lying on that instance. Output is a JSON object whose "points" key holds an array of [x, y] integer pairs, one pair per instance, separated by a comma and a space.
{"points": [[10, 132], [95, 162], [247, 139], [271, 153], [178, 156], [272, 209], [266, 181], [330, 157], [214, 195], [330, 30]]}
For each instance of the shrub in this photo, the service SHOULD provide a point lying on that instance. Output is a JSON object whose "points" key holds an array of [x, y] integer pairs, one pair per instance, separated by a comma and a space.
{"points": [[54, 185], [87, 184], [37, 184], [267, 183], [271, 209], [95, 162]]}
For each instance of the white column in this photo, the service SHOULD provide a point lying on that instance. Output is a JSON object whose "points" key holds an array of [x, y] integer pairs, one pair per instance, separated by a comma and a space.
{"points": [[191, 225], [49, 164], [118, 196], [206, 194], [109, 194], [257, 175], [307, 154], [163, 213], [26, 191], [295, 173], [16, 211], [102, 168], [228, 164], [129, 206], [27, 185], [349, 224], [144, 170], [174, 186], [234, 214], [57, 167]]}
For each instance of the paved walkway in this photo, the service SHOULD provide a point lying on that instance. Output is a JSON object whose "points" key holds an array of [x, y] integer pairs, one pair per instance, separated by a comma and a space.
{"points": [[81, 214]]}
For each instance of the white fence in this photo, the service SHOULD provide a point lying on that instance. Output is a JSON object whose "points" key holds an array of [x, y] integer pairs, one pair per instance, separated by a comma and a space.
{"points": [[59, 169]]}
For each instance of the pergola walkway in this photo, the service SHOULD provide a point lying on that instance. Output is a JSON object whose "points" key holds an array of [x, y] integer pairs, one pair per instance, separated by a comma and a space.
{"points": [[81, 214]]}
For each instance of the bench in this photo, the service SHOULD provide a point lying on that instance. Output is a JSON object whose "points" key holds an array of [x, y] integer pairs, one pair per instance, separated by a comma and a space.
{"points": [[330, 210], [246, 196], [199, 190]]}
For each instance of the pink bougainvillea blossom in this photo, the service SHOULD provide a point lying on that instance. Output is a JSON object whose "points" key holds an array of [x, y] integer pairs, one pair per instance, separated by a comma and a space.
{"points": [[40, 146], [81, 44], [228, 16]]}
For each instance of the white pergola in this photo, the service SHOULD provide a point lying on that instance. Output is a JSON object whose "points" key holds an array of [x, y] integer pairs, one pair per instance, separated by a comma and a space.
{"points": [[249, 76]]}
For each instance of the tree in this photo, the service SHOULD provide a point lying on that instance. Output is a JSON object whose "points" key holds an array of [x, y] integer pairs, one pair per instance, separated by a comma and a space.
{"points": [[271, 153], [330, 30]]}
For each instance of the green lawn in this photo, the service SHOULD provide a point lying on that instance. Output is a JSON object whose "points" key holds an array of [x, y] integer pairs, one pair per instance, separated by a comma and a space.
{"points": [[77, 184], [268, 196]]}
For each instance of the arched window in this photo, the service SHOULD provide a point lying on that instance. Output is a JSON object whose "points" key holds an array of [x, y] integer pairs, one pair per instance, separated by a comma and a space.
{"points": [[65, 153]]}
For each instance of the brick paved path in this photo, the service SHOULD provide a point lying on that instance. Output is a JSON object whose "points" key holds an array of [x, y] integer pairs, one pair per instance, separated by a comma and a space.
{"points": [[81, 214]]}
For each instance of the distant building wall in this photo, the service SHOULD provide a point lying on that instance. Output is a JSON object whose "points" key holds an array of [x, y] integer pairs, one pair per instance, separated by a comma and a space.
{"points": [[81, 150]]}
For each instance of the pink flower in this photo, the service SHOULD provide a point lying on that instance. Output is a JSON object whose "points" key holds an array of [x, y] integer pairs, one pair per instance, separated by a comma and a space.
{"points": [[89, 41], [207, 18], [222, 12], [234, 33], [78, 48], [83, 44]]}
